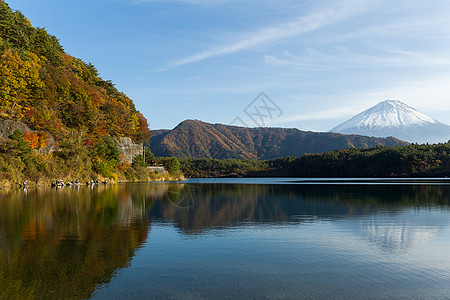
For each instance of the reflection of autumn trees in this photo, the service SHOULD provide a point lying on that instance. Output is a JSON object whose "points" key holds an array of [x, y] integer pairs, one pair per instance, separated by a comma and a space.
{"points": [[63, 244]]}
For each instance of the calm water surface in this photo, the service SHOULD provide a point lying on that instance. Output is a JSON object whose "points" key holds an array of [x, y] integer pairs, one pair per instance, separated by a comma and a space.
{"points": [[209, 239]]}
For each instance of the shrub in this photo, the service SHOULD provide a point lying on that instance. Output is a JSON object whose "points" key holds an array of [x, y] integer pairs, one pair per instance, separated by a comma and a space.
{"points": [[172, 165]]}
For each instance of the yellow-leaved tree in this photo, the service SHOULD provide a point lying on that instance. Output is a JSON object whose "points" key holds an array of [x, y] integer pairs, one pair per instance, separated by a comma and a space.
{"points": [[19, 81]]}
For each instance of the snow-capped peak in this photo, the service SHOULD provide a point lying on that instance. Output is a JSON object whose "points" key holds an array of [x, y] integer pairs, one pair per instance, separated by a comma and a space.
{"points": [[387, 114], [394, 118]]}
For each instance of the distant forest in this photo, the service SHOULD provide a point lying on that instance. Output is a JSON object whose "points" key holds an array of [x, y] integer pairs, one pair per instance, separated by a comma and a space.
{"points": [[381, 161]]}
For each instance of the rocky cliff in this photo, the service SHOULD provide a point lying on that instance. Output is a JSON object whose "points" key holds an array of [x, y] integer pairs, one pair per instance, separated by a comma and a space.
{"points": [[7, 127], [129, 150]]}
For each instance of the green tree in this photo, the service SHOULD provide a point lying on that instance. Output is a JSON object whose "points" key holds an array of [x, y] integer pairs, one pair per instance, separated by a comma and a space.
{"points": [[22, 146], [138, 161], [172, 165], [107, 149], [106, 156], [149, 157]]}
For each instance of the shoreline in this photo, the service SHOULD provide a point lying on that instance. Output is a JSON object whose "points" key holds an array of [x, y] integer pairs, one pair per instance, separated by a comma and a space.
{"points": [[164, 177], [255, 180]]}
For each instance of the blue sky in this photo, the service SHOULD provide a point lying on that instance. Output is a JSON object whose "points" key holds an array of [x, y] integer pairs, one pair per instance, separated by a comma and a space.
{"points": [[320, 61]]}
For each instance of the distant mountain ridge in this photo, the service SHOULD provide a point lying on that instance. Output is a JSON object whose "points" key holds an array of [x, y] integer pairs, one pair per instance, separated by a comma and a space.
{"points": [[395, 118], [197, 139]]}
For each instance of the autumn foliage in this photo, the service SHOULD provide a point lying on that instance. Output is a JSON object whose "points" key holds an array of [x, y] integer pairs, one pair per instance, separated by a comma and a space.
{"points": [[55, 92], [74, 114], [37, 140]]}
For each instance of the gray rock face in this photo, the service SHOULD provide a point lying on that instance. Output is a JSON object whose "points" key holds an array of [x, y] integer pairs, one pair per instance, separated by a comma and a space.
{"points": [[7, 127], [128, 150]]}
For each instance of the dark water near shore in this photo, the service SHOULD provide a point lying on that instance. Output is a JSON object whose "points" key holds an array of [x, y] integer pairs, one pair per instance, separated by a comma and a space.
{"points": [[209, 239]]}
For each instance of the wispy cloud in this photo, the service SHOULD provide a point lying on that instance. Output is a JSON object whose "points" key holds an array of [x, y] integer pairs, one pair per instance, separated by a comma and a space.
{"points": [[343, 58], [428, 59], [329, 114], [299, 26], [401, 41]]}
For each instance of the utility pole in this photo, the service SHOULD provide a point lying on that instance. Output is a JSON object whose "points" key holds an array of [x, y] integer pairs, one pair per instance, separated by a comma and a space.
{"points": [[143, 148]]}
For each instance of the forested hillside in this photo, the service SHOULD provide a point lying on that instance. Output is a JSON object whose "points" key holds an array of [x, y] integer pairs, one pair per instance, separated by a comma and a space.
{"points": [[50, 90], [48, 96]]}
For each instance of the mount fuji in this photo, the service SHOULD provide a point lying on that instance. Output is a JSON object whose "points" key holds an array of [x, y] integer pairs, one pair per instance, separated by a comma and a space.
{"points": [[395, 118]]}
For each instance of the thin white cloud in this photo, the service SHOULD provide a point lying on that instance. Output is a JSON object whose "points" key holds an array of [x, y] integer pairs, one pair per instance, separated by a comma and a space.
{"points": [[330, 114], [433, 27], [345, 59], [278, 32], [428, 59], [380, 44]]}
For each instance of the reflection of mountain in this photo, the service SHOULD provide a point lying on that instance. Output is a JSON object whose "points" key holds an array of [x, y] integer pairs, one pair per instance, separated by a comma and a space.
{"points": [[379, 215], [388, 234], [66, 243], [63, 244], [222, 206]]}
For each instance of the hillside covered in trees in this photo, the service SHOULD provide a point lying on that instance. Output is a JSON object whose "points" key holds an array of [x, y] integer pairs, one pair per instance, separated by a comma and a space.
{"points": [[58, 118], [197, 139], [381, 161], [50, 90]]}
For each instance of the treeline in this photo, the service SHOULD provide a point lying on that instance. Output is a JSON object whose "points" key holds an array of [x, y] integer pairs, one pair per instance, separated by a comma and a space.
{"points": [[50, 90], [381, 161], [211, 167]]}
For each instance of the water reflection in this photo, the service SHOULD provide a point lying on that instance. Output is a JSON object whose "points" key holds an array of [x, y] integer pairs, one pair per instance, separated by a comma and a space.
{"points": [[213, 206], [63, 244], [66, 243], [393, 233]]}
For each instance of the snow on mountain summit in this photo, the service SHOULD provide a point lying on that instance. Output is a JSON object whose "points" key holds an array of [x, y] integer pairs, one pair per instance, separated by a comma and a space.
{"points": [[395, 118], [389, 113]]}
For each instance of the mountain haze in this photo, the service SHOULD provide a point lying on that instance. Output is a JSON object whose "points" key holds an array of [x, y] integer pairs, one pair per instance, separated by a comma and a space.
{"points": [[197, 139], [395, 118]]}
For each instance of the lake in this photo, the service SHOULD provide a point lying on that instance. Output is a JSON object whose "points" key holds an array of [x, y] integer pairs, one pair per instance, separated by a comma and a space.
{"points": [[228, 238]]}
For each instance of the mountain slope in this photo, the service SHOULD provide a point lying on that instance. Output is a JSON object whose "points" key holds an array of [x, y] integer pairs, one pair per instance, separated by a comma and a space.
{"points": [[395, 118], [50, 90], [197, 139]]}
